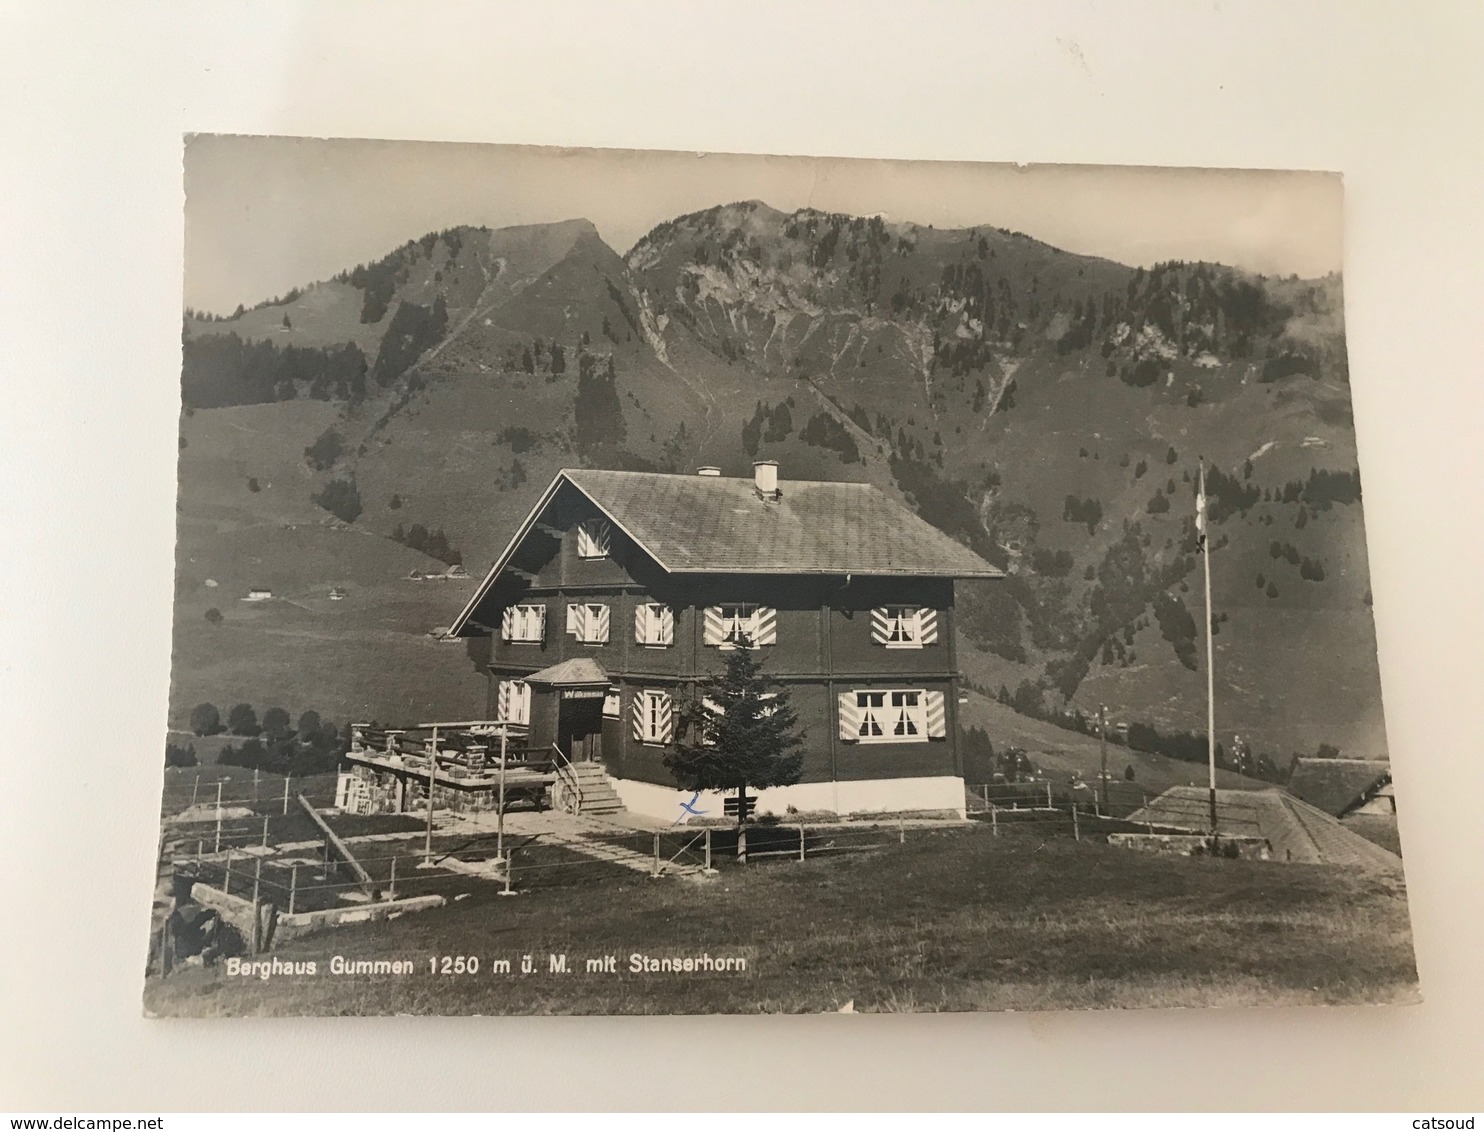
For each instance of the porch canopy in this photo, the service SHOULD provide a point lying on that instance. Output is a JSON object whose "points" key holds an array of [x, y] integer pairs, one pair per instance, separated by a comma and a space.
{"points": [[572, 678]]}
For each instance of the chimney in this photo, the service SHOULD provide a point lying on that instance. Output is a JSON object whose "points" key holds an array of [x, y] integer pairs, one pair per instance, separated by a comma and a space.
{"points": [[708, 470], [765, 478]]}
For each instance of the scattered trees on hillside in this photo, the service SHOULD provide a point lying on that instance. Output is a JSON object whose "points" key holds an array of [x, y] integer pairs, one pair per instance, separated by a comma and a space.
{"points": [[328, 447], [341, 498], [205, 719], [1089, 511], [597, 412], [824, 431], [222, 369], [434, 544], [242, 720]]}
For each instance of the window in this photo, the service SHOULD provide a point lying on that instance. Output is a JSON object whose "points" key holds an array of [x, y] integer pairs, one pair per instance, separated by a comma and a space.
{"points": [[892, 715], [588, 623], [904, 626], [735, 625], [513, 703], [652, 716], [524, 623], [654, 625], [594, 536]]}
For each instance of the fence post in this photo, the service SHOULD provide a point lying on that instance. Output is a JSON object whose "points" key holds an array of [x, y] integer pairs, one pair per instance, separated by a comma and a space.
{"points": [[801, 843], [1076, 828], [509, 873], [708, 868], [200, 850], [265, 831], [195, 786], [227, 878], [391, 888], [994, 822], [1049, 804], [656, 856], [902, 832], [217, 848], [254, 784], [257, 880], [293, 886], [285, 794]]}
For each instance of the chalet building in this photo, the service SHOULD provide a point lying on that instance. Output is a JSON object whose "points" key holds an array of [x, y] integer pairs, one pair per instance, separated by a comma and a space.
{"points": [[621, 589]]}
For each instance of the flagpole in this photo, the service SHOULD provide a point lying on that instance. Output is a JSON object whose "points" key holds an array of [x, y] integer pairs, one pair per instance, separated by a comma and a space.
{"points": [[1202, 526]]}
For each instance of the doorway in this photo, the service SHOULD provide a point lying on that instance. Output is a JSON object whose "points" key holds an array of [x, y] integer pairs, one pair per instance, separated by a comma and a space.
{"points": [[580, 728]]}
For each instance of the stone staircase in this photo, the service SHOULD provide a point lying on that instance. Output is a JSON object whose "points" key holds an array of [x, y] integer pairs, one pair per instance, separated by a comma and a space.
{"points": [[598, 796]]}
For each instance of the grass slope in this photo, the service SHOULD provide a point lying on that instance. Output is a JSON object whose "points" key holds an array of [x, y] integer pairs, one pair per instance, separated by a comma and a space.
{"points": [[950, 920]]}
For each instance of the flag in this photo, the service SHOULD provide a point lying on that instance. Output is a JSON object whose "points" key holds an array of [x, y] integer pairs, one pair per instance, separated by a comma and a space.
{"points": [[1200, 509]]}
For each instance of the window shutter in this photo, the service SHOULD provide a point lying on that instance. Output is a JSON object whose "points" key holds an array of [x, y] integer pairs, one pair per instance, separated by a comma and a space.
{"points": [[665, 634], [850, 717], [937, 719], [880, 625], [927, 626], [665, 722], [502, 701], [507, 623], [597, 622], [766, 625], [574, 619], [641, 624], [540, 623], [637, 712], [713, 630]]}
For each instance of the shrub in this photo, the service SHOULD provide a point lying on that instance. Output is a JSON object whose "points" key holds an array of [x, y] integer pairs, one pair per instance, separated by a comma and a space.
{"points": [[180, 755], [214, 615], [326, 449]]}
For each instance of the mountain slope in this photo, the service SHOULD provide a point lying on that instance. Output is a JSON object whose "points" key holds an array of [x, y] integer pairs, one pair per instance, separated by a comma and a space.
{"points": [[1045, 408]]}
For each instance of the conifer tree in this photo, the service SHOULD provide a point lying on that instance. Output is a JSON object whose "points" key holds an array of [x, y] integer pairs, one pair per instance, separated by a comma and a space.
{"points": [[738, 732]]}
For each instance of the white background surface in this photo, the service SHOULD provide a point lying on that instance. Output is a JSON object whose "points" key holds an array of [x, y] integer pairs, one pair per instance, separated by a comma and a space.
{"points": [[93, 102]]}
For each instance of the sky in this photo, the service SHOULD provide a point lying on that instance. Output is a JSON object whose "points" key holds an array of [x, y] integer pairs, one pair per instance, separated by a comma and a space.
{"points": [[265, 214]]}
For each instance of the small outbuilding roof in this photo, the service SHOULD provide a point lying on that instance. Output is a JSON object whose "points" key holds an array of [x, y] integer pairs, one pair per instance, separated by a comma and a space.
{"points": [[1338, 785], [1294, 830]]}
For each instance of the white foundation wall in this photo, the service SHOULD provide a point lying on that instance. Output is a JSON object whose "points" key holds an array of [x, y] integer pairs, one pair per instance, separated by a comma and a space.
{"points": [[874, 796]]}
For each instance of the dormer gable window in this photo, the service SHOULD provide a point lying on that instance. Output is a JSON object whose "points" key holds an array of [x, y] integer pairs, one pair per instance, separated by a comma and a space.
{"points": [[594, 538]]}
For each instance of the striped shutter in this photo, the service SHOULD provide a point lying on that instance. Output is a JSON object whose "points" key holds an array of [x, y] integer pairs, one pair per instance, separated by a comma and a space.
{"points": [[502, 701], [880, 625], [765, 622], [641, 624], [927, 626], [937, 719], [666, 715], [850, 717], [713, 630], [665, 634], [637, 712], [507, 623], [597, 624]]}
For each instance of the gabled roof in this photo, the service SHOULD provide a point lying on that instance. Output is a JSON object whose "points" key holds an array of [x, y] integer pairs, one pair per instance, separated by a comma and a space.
{"points": [[580, 670], [1295, 830], [721, 525], [1338, 785]]}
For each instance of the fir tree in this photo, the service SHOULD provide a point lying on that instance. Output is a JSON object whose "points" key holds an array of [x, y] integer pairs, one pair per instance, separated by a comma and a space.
{"points": [[738, 731]]}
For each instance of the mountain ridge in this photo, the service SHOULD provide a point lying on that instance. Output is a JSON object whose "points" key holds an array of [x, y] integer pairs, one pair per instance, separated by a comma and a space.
{"points": [[1023, 399]]}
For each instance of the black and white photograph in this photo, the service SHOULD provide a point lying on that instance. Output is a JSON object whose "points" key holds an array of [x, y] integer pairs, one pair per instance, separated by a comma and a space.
{"points": [[651, 582]]}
